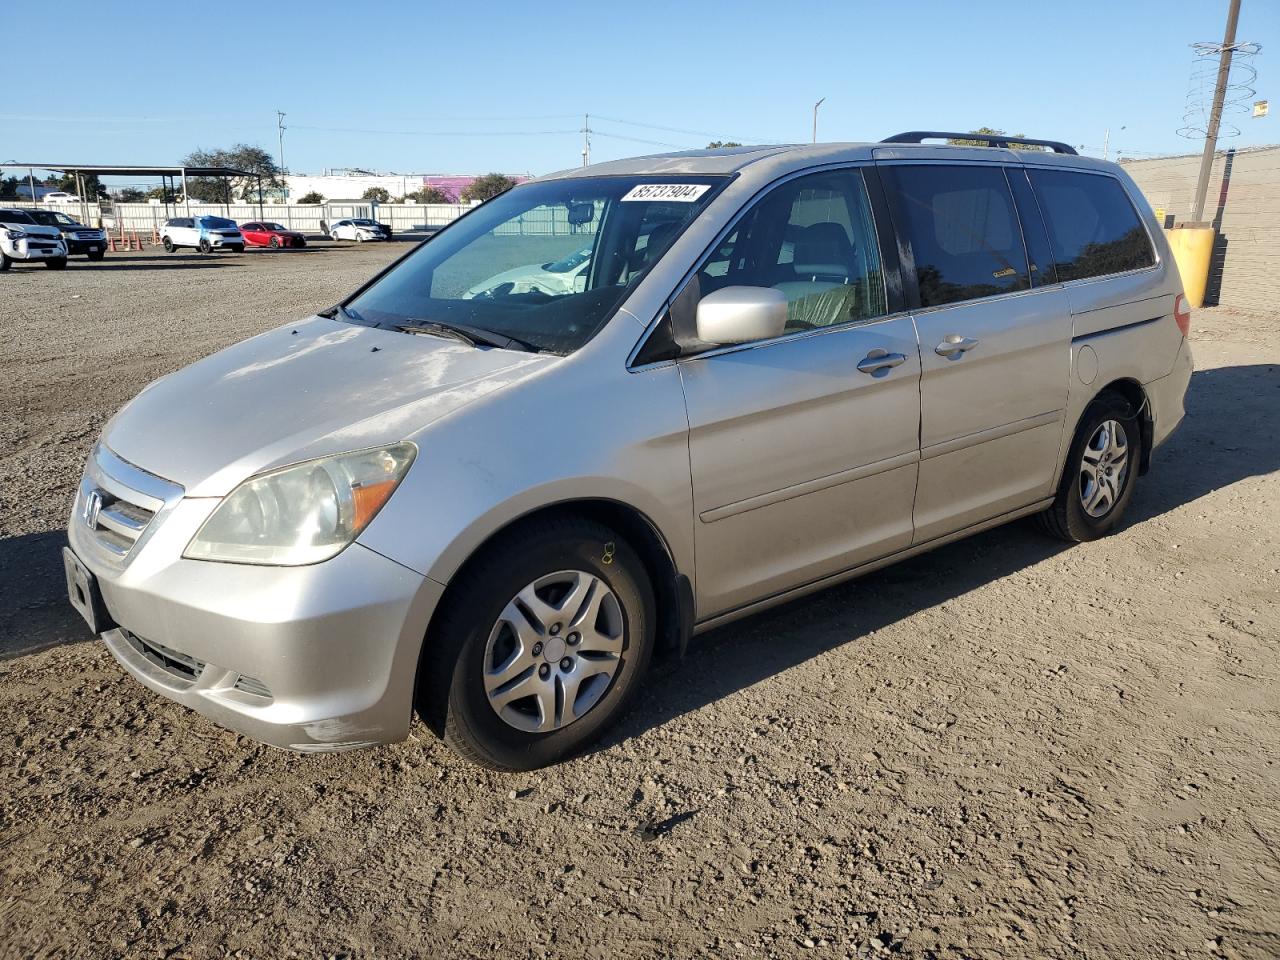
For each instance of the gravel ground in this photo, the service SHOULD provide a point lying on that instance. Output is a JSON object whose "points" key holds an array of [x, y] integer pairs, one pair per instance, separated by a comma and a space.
{"points": [[1003, 748]]}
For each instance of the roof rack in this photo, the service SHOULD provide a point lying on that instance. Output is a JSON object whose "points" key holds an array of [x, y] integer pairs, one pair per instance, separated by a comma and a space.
{"points": [[991, 140]]}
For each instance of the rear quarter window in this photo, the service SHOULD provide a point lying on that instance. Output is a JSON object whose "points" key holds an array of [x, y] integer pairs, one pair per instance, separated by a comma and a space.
{"points": [[1093, 226]]}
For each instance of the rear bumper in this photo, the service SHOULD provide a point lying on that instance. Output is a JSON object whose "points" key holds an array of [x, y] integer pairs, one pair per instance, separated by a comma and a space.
{"points": [[317, 658], [1167, 396]]}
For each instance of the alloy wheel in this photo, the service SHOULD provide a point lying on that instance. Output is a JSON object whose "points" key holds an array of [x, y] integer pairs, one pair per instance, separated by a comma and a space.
{"points": [[1104, 468], [554, 651]]}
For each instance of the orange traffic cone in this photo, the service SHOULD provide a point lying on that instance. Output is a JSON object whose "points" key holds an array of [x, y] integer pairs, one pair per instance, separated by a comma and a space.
{"points": [[137, 244], [111, 241]]}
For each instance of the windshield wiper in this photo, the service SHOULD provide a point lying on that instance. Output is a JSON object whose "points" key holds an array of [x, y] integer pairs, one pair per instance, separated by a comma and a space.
{"points": [[476, 336], [339, 312]]}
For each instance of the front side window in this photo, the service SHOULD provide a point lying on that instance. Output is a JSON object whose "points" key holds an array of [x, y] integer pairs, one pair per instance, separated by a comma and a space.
{"points": [[813, 239], [1093, 226], [544, 263], [964, 234]]}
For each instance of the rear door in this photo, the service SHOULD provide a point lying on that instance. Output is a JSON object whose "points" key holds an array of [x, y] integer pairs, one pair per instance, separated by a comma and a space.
{"points": [[803, 448], [995, 340]]}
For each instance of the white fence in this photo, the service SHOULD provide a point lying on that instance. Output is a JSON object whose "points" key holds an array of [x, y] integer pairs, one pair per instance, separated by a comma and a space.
{"points": [[143, 217], [402, 218]]}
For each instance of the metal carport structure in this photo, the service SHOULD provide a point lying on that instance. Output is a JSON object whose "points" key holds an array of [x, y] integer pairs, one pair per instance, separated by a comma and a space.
{"points": [[172, 175]]}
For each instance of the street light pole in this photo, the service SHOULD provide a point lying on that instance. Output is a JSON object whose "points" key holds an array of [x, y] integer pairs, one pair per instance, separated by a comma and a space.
{"points": [[815, 118], [280, 128], [1215, 112]]}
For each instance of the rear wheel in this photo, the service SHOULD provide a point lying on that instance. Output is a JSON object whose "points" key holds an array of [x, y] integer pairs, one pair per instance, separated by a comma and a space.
{"points": [[1098, 479], [542, 647], [168, 245], [56, 263]]}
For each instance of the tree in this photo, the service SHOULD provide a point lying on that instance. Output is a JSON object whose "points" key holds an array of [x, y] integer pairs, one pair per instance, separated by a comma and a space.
{"points": [[717, 144], [430, 195], [93, 188], [486, 187], [377, 194], [255, 161], [312, 197], [163, 195], [130, 195], [9, 187], [991, 132]]}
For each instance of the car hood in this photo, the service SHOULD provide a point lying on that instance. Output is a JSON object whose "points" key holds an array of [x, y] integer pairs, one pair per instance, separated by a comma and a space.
{"points": [[304, 390], [36, 230]]}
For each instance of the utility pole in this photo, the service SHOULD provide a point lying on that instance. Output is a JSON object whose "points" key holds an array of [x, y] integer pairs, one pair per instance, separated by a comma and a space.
{"points": [[586, 140], [815, 118], [1106, 141], [1215, 112], [280, 130]]}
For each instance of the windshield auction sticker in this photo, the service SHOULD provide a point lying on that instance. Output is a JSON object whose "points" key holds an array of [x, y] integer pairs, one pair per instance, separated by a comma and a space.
{"points": [[679, 192]]}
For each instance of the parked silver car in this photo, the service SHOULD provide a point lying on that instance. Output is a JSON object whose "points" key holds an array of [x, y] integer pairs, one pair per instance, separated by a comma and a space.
{"points": [[784, 367]]}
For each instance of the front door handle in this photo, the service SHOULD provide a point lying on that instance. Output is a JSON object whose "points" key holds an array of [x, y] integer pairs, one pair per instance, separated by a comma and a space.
{"points": [[953, 345], [879, 361]]}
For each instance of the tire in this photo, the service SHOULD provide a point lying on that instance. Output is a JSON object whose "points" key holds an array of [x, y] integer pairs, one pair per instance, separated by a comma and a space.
{"points": [[205, 245], [275, 243], [168, 245], [359, 238], [56, 263], [474, 633], [1117, 451], [5, 263], [98, 256]]}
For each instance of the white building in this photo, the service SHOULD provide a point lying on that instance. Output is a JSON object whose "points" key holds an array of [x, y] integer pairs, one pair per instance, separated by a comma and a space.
{"points": [[351, 185]]}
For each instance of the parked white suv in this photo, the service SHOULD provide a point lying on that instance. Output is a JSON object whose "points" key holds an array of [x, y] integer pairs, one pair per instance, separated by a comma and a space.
{"points": [[21, 238], [785, 367], [205, 234]]}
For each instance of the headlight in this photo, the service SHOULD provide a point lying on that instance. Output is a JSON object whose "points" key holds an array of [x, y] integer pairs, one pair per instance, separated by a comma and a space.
{"points": [[16, 233], [303, 513]]}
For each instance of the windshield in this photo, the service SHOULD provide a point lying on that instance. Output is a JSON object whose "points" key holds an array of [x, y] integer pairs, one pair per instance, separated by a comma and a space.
{"points": [[47, 217], [216, 223], [15, 216], [365, 223], [272, 226], [486, 270]]}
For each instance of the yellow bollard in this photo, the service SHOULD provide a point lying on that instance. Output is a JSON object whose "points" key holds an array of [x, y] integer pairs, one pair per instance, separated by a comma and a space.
{"points": [[1192, 249]]}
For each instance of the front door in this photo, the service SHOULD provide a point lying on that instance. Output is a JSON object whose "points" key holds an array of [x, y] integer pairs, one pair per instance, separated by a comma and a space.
{"points": [[803, 449], [995, 345]]}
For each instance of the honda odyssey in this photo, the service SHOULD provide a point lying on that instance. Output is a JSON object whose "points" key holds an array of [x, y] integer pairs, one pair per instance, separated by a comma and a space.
{"points": [[491, 503]]}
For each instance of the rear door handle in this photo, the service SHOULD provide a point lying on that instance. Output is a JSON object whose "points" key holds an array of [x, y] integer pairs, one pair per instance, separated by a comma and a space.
{"points": [[880, 361], [953, 345]]}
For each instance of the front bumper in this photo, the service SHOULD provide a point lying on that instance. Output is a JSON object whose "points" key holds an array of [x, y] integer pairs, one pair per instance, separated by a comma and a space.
{"points": [[33, 248], [77, 246], [217, 241], [316, 658]]}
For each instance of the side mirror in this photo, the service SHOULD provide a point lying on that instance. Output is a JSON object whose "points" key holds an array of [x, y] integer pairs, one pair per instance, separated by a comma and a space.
{"points": [[741, 315]]}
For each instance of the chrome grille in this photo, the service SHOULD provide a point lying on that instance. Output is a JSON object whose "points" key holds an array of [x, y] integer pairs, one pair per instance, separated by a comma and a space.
{"points": [[117, 502]]}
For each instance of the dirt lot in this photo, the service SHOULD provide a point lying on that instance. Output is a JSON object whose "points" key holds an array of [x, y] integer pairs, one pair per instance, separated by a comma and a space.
{"points": [[1005, 748]]}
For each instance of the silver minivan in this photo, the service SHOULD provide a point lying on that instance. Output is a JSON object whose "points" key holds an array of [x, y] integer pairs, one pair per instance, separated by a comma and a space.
{"points": [[492, 502]]}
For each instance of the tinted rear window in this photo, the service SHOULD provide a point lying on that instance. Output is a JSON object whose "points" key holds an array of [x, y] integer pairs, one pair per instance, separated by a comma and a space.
{"points": [[963, 231], [1092, 224]]}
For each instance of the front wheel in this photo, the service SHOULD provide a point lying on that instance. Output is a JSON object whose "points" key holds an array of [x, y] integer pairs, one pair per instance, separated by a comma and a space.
{"points": [[205, 245], [275, 243], [1101, 469], [56, 263], [5, 262], [542, 648]]}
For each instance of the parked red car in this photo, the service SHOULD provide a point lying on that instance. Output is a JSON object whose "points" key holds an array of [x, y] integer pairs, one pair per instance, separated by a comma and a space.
{"points": [[267, 234]]}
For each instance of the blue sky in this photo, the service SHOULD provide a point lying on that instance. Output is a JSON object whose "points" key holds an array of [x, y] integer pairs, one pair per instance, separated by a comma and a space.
{"points": [[468, 88]]}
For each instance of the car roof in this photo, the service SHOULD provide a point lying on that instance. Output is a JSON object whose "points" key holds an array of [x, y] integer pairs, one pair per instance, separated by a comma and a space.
{"points": [[779, 159]]}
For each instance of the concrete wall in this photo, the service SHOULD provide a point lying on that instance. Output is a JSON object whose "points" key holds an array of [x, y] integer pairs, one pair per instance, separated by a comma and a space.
{"points": [[1243, 203]]}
